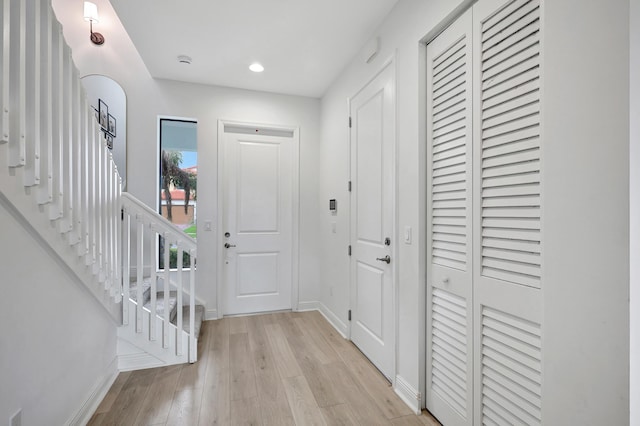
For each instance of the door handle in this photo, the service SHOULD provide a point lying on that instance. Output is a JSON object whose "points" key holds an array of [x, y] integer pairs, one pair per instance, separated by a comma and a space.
{"points": [[386, 259], [227, 245]]}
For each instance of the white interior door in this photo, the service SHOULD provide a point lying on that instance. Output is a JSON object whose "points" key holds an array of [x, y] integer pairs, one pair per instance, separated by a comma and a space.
{"points": [[484, 307], [449, 217], [372, 215], [258, 222], [508, 193]]}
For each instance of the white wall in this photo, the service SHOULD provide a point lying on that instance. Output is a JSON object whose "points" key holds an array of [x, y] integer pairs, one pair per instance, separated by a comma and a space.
{"points": [[56, 341], [99, 87], [585, 208], [586, 212], [634, 198], [148, 98], [400, 35]]}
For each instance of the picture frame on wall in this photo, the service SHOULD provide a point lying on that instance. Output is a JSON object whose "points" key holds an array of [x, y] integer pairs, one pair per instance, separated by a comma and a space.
{"points": [[103, 114], [109, 141], [111, 125]]}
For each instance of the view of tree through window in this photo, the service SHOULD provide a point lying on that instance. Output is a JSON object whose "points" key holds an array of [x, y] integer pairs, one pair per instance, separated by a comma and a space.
{"points": [[178, 185]]}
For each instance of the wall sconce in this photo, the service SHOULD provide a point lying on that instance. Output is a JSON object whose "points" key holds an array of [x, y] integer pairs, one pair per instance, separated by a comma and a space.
{"points": [[91, 14]]}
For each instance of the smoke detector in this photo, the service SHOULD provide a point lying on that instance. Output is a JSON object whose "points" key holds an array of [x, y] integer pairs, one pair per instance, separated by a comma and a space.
{"points": [[184, 59]]}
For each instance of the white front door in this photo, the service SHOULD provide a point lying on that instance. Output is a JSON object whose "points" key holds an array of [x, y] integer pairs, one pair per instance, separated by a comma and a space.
{"points": [[258, 222], [372, 215]]}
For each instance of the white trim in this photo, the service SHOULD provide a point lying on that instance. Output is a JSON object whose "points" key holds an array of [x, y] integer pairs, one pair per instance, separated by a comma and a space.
{"points": [[159, 118], [138, 361], [96, 395], [211, 314], [408, 394], [333, 319], [295, 241], [308, 306]]}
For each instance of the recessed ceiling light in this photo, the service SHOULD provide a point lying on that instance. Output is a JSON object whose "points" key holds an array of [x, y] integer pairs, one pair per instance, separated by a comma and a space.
{"points": [[184, 59], [256, 67]]}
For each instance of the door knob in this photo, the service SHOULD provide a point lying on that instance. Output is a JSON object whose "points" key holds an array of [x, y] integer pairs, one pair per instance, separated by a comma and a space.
{"points": [[386, 259], [227, 245]]}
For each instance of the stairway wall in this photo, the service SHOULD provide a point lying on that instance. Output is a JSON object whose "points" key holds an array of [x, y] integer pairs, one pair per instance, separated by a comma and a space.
{"points": [[57, 344]]}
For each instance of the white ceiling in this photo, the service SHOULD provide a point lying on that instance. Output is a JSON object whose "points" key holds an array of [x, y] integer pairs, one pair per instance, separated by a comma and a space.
{"points": [[303, 44]]}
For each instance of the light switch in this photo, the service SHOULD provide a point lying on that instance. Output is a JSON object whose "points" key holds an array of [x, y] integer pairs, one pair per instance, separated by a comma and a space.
{"points": [[333, 227], [207, 225], [407, 235]]}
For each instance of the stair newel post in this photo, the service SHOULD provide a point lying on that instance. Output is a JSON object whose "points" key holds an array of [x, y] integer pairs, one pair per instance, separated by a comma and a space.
{"points": [[126, 264], [179, 267], [167, 271], [153, 332], [140, 271], [193, 348]]}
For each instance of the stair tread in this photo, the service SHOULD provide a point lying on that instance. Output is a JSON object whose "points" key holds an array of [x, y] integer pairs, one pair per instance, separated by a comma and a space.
{"points": [[199, 317], [160, 304], [146, 290]]}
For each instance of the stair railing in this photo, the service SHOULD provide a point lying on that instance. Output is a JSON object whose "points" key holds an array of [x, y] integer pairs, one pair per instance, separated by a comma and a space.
{"points": [[53, 141], [52, 144], [152, 231]]}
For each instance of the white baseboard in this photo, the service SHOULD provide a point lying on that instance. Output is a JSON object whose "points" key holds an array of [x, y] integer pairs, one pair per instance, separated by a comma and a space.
{"points": [[138, 361], [408, 394], [97, 394], [333, 319], [211, 314], [308, 306]]}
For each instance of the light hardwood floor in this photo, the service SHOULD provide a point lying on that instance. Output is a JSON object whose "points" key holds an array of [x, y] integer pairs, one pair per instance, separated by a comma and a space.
{"points": [[273, 369]]}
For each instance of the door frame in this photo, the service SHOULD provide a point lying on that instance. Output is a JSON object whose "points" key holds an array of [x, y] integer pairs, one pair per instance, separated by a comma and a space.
{"points": [[391, 63], [295, 238]]}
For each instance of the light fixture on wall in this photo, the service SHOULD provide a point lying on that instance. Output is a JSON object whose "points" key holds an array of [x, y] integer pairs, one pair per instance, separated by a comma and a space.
{"points": [[91, 15]]}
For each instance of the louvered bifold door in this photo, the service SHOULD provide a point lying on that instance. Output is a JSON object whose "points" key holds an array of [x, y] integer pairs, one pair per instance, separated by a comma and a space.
{"points": [[507, 300], [449, 179]]}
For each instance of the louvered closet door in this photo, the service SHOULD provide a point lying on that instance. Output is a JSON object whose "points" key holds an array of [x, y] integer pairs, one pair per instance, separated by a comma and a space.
{"points": [[449, 153], [507, 299]]}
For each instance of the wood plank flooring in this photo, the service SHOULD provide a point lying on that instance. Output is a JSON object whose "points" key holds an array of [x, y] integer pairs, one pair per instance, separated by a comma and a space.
{"points": [[279, 369]]}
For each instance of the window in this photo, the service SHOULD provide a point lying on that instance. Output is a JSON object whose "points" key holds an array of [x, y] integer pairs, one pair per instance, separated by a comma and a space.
{"points": [[178, 183]]}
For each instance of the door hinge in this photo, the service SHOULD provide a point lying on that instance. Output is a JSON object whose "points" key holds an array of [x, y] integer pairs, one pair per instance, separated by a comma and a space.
{"points": [[349, 315], [349, 121], [122, 214], [349, 250], [349, 186]]}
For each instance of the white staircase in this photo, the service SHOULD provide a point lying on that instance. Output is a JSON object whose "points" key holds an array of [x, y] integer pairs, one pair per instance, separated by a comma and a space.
{"points": [[57, 176]]}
